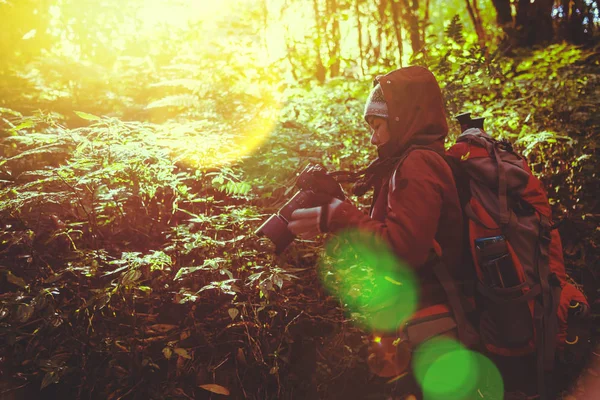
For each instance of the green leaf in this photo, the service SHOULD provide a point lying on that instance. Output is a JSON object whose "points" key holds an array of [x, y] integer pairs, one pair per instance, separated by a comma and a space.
{"points": [[24, 125], [86, 116], [131, 276], [278, 280], [186, 270], [179, 274], [4, 110]]}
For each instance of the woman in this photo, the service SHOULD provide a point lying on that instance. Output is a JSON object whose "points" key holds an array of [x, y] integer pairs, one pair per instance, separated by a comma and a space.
{"points": [[415, 209], [415, 205]]}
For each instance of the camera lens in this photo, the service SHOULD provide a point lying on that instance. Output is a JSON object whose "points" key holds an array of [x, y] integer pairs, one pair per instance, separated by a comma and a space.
{"points": [[275, 228]]}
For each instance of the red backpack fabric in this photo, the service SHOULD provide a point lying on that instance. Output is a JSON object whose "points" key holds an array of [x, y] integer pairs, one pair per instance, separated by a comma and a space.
{"points": [[521, 289]]}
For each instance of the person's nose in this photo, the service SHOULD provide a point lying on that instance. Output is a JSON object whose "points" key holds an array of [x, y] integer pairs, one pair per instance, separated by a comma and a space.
{"points": [[374, 139]]}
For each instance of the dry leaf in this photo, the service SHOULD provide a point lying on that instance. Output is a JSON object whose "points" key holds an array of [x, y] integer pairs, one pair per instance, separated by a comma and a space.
{"points": [[167, 352], [49, 379], [218, 389], [180, 365], [233, 312], [24, 312], [180, 392], [15, 280], [241, 357], [121, 347], [185, 334], [160, 328], [182, 353], [151, 339]]}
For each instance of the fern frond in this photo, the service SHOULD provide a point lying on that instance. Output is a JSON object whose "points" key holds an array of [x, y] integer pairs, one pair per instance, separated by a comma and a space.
{"points": [[39, 139], [46, 149], [454, 31], [4, 110]]}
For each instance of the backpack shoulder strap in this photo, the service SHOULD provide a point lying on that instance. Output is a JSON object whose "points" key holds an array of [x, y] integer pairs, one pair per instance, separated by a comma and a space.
{"points": [[456, 299], [466, 332], [461, 179]]}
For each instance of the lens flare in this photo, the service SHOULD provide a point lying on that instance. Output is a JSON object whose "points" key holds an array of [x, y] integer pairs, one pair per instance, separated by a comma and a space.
{"points": [[205, 144], [364, 273], [446, 370]]}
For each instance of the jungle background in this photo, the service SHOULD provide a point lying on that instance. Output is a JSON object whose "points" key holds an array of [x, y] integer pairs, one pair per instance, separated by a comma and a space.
{"points": [[142, 142]]}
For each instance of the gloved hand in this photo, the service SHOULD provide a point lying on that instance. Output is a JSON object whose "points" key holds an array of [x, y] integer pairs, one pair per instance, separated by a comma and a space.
{"points": [[315, 177], [309, 222]]}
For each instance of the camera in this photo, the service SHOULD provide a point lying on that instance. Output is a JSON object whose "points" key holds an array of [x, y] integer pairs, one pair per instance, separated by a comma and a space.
{"points": [[316, 188], [466, 122]]}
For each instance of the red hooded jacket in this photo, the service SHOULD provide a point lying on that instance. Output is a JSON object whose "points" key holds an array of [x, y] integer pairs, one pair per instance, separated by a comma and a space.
{"points": [[415, 205]]}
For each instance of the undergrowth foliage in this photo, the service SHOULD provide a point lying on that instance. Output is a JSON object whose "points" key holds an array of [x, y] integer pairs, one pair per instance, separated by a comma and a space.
{"points": [[111, 248], [128, 263]]}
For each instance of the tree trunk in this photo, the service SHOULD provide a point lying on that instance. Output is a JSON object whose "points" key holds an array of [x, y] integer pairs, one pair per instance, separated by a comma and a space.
{"points": [[382, 5], [412, 16], [534, 22], [572, 26], [503, 12], [479, 19], [265, 23], [361, 59], [334, 39], [425, 22], [397, 30], [291, 53], [320, 70], [476, 19]]}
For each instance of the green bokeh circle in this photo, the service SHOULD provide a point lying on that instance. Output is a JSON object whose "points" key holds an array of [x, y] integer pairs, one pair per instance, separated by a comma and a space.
{"points": [[370, 280], [448, 371]]}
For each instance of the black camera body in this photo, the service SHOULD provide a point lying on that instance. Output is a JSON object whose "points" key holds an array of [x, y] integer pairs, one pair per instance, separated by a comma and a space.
{"points": [[466, 122], [317, 188]]}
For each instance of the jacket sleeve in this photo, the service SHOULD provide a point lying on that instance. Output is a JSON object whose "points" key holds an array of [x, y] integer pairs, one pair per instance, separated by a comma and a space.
{"points": [[414, 205]]}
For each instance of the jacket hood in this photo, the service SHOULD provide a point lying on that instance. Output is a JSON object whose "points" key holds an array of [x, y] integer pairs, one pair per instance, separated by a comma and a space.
{"points": [[416, 110]]}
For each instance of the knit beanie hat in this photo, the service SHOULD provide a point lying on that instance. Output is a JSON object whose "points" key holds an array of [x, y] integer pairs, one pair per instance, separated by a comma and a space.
{"points": [[376, 104]]}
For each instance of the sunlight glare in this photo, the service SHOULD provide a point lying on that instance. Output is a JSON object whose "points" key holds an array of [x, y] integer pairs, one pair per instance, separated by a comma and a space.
{"points": [[181, 12], [224, 144]]}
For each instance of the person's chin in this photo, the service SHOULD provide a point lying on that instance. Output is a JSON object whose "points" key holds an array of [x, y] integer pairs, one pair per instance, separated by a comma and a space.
{"points": [[383, 151]]}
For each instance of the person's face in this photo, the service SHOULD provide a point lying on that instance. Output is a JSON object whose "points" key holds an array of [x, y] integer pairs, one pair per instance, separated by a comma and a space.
{"points": [[380, 131]]}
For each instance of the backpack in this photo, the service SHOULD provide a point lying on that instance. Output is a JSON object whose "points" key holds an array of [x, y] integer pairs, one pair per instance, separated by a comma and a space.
{"points": [[522, 300], [521, 292]]}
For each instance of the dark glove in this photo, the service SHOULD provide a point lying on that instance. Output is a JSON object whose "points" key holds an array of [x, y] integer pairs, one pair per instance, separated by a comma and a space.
{"points": [[315, 177], [309, 222]]}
